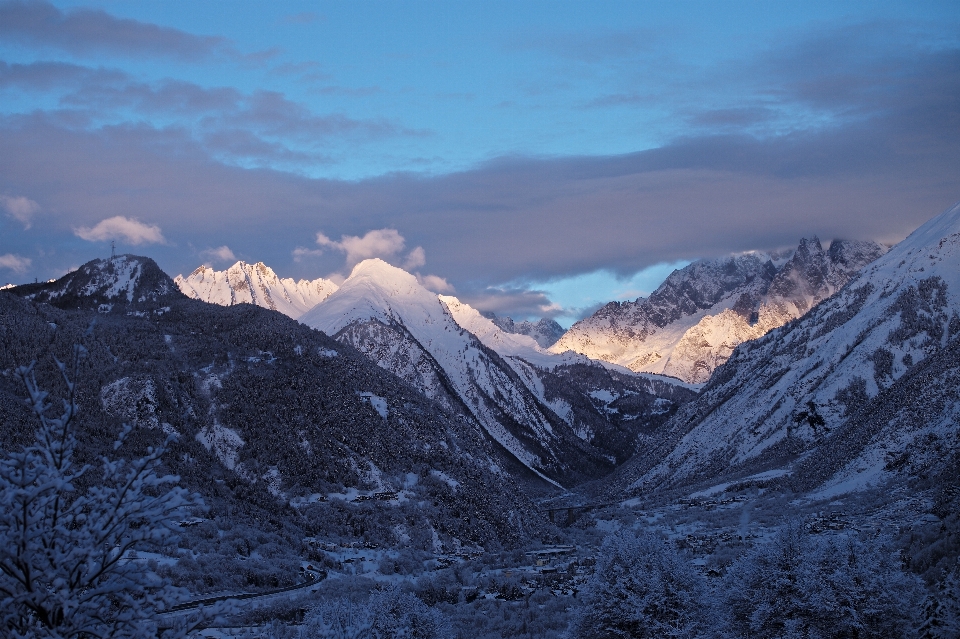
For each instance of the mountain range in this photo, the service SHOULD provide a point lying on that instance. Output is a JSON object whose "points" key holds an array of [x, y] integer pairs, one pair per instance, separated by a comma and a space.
{"points": [[860, 391], [277, 425], [388, 421], [505, 381], [693, 321]]}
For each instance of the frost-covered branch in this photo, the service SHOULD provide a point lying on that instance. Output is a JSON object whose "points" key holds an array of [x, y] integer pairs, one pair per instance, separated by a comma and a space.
{"points": [[64, 555]]}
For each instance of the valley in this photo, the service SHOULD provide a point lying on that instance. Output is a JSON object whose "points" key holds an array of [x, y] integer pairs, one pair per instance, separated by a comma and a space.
{"points": [[390, 442]]}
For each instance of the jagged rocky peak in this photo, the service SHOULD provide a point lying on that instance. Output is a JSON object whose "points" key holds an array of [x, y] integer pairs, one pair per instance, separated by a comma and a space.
{"points": [[694, 320], [245, 283], [702, 284], [103, 283], [545, 331]]}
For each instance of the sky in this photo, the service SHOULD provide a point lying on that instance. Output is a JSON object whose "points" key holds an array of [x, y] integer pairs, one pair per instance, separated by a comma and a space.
{"points": [[533, 158]]}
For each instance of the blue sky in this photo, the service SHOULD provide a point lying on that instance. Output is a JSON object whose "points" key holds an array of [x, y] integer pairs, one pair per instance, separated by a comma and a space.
{"points": [[545, 157]]}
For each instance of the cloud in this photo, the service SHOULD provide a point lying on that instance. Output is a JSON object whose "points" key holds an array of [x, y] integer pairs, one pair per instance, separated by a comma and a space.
{"points": [[263, 128], [300, 253], [220, 254], [122, 228], [84, 31], [15, 263], [20, 208], [883, 159], [415, 259], [436, 284], [382, 243], [46, 75], [512, 301]]}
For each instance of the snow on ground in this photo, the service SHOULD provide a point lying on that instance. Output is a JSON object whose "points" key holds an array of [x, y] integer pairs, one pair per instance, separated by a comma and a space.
{"points": [[379, 403]]}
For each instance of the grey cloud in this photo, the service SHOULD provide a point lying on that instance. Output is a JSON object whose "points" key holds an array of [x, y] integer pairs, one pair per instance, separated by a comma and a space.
{"points": [[169, 96], [46, 75], [83, 31], [269, 113], [514, 302], [264, 128], [874, 176], [276, 115], [240, 143]]}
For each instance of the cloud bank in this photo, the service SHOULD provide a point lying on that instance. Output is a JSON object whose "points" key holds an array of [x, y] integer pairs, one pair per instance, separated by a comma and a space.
{"points": [[85, 31]]}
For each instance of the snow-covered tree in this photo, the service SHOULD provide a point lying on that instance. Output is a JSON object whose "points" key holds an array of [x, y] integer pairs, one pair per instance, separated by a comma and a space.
{"points": [[641, 587], [800, 585], [64, 565], [942, 609], [387, 614], [339, 619]]}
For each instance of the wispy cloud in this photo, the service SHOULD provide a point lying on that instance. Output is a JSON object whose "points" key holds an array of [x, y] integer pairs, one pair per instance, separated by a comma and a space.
{"points": [[20, 208], [83, 31], [15, 263], [512, 301], [415, 259], [302, 252], [436, 284], [122, 228], [219, 254]]}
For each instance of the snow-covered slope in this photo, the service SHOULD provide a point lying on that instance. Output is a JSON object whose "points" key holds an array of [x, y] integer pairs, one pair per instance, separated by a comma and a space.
{"points": [[694, 320], [257, 284], [766, 404], [384, 312]]}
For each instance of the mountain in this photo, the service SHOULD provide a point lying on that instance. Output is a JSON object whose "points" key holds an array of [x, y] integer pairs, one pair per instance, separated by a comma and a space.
{"points": [[103, 283], [493, 377], [849, 394], [545, 332], [694, 320], [384, 312], [278, 426], [606, 405], [256, 284]]}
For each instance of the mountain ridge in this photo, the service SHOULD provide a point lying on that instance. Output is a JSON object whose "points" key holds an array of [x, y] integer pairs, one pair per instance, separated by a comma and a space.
{"points": [[849, 350], [255, 284], [692, 322]]}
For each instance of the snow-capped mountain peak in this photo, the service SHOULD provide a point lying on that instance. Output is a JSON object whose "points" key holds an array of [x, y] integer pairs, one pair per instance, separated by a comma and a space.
{"points": [[513, 389], [255, 284]]}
